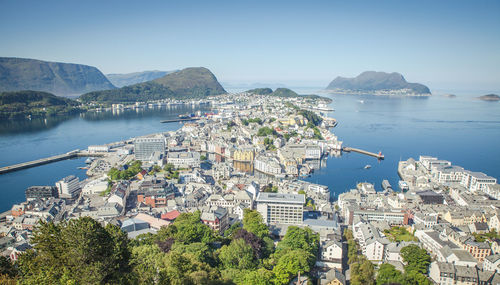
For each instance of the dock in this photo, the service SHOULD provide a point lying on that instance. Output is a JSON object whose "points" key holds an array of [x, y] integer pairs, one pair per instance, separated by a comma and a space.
{"points": [[179, 120], [47, 160], [351, 149]]}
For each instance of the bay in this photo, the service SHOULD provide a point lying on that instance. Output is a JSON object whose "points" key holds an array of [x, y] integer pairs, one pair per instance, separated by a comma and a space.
{"points": [[463, 130]]}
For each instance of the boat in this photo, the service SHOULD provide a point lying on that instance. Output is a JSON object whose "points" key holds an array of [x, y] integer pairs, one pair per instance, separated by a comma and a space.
{"points": [[89, 160], [368, 166], [361, 101], [386, 185], [403, 186]]}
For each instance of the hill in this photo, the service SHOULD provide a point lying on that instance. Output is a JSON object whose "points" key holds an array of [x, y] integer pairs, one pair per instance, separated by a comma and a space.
{"points": [[55, 77], [189, 83], [285, 92], [17, 104], [378, 83], [260, 91], [490, 97], [120, 80]]}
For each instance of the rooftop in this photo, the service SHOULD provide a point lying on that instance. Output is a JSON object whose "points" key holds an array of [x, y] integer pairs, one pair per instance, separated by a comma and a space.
{"points": [[281, 198]]}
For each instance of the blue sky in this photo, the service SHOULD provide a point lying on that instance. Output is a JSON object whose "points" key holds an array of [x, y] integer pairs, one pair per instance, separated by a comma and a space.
{"points": [[444, 44]]}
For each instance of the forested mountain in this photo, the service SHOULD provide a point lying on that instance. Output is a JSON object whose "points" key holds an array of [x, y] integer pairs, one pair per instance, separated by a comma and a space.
{"points": [[189, 83], [64, 79]]}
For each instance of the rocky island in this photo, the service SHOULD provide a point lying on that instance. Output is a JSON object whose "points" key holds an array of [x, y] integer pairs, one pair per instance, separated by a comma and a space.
{"points": [[490, 97], [377, 83]]}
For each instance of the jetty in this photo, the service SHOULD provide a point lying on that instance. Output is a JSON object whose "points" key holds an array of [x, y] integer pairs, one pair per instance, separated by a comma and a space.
{"points": [[351, 149], [42, 161], [179, 120]]}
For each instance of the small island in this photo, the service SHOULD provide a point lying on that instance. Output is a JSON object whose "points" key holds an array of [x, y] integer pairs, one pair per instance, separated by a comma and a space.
{"points": [[490, 97], [377, 83]]}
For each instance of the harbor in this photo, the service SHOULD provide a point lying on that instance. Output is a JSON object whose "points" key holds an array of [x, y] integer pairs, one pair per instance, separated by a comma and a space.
{"points": [[351, 149], [42, 161]]}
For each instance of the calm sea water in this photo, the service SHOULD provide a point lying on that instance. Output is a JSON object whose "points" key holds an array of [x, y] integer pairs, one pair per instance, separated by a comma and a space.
{"points": [[22, 141], [462, 130]]}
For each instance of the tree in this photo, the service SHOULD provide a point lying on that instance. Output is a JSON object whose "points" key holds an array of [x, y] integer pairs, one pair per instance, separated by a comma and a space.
{"points": [[252, 222], [298, 238], [6, 267], [388, 274], [251, 239], [61, 250], [238, 255], [188, 228], [290, 264], [362, 272], [416, 259], [261, 276], [415, 278]]}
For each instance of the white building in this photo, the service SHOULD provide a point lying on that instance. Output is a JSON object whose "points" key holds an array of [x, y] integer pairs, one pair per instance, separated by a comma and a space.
{"points": [[475, 181], [144, 147], [277, 208], [98, 148], [184, 159], [68, 187], [269, 165]]}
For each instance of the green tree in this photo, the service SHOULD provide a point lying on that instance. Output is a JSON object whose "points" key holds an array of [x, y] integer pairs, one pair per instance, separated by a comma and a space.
{"points": [[61, 250], [238, 255], [252, 222], [299, 238], [261, 276], [388, 274], [290, 264], [416, 259], [362, 272]]}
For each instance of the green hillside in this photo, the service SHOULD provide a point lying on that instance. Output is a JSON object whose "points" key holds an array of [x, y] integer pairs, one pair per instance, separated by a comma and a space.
{"points": [[189, 83], [18, 104]]}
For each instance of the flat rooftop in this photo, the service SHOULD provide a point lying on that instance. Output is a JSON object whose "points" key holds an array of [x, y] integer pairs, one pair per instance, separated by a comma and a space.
{"points": [[281, 198]]}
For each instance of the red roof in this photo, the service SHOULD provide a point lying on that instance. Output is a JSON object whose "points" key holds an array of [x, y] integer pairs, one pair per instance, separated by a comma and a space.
{"points": [[170, 216]]}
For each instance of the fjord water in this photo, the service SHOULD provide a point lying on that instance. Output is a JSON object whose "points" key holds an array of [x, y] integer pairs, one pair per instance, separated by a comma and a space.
{"points": [[463, 130], [26, 140]]}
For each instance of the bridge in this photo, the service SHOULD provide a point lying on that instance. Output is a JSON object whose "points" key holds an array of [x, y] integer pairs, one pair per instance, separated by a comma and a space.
{"points": [[351, 149], [42, 161]]}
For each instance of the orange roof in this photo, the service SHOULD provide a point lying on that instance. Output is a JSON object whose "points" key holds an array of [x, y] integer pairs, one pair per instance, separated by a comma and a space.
{"points": [[170, 216]]}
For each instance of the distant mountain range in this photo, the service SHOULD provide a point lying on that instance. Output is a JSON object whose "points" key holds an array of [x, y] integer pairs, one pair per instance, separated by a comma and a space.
{"points": [[125, 79], [63, 79], [189, 83], [377, 83]]}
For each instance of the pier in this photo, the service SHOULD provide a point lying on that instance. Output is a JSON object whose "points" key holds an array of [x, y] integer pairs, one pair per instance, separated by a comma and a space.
{"points": [[179, 120], [351, 149], [42, 161]]}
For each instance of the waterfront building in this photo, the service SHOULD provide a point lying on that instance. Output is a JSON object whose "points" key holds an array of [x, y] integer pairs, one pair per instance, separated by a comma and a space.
{"points": [[244, 154], [68, 187], [145, 147], [277, 208], [36, 192], [98, 148], [475, 181]]}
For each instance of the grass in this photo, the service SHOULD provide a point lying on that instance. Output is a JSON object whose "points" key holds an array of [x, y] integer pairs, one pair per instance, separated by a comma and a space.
{"points": [[398, 234]]}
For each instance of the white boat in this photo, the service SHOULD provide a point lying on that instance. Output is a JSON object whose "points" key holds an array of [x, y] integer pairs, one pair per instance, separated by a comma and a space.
{"points": [[368, 166], [361, 101]]}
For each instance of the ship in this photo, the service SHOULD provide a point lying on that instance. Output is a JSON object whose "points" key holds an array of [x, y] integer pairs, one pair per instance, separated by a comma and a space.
{"points": [[386, 185]]}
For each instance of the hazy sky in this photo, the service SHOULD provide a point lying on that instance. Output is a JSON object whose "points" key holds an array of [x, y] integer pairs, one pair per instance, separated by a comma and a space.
{"points": [[445, 44]]}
